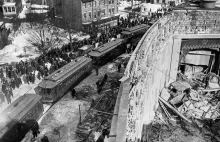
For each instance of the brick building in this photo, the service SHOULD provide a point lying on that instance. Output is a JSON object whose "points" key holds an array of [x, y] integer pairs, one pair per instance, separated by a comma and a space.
{"points": [[86, 15]]}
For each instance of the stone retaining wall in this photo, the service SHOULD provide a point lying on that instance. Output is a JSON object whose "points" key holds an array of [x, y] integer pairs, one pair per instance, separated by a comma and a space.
{"points": [[153, 65]]}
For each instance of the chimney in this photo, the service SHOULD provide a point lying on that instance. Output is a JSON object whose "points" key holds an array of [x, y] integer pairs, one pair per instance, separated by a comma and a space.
{"points": [[208, 3]]}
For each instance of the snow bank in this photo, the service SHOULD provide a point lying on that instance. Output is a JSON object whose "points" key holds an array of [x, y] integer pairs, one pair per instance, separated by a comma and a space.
{"points": [[10, 52]]}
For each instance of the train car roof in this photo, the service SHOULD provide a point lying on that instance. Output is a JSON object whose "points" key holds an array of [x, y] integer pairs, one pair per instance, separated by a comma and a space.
{"points": [[105, 48], [16, 111], [137, 28], [61, 74], [126, 33]]}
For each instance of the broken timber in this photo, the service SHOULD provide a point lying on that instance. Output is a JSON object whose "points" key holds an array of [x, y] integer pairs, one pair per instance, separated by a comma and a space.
{"points": [[104, 112], [177, 112]]}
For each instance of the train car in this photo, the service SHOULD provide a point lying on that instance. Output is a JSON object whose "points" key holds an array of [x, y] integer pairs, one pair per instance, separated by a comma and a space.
{"points": [[59, 82], [107, 51], [138, 30], [85, 50], [15, 119]]}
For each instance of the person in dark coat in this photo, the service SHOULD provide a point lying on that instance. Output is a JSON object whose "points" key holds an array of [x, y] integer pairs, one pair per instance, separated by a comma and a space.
{"points": [[73, 93], [10, 92], [45, 139], [35, 129], [97, 71], [101, 138], [119, 67]]}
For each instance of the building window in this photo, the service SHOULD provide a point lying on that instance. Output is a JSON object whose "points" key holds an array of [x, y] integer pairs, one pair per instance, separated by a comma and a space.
{"points": [[109, 1], [112, 1], [94, 3], [113, 10], [90, 15], [99, 14], [13, 9], [90, 4], [103, 11], [84, 5], [109, 11], [103, 2], [94, 14], [5, 8], [9, 9], [85, 15]]}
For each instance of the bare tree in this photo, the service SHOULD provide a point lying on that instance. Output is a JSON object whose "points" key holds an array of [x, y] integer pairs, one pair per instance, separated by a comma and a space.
{"points": [[43, 37], [69, 27]]}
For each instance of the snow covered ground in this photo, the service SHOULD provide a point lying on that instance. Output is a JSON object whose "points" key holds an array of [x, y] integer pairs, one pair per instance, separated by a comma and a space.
{"points": [[64, 116], [20, 41]]}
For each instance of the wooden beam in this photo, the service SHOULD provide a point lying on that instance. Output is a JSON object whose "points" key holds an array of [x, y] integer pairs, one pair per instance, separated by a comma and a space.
{"points": [[103, 112], [176, 111]]}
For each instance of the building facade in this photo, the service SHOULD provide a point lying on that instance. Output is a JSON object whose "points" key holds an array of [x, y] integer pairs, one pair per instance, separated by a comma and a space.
{"points": [[86, 14], [11, 7], [99, 13]]}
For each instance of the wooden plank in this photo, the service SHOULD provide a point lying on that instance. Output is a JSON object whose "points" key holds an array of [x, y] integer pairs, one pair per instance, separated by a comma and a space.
{"points": [[176, 111]]}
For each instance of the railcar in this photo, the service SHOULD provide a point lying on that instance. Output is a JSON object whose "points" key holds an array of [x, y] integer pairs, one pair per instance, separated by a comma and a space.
{"points": [[136, 31], [62, 80], [108, 51], [17, 119]]}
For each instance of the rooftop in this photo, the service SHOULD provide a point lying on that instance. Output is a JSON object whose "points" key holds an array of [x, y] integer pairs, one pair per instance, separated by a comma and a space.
{"points": [[9, 4]]}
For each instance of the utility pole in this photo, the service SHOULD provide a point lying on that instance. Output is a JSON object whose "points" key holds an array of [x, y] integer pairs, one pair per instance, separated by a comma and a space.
{"points": [[80, 119], [132, 1]]}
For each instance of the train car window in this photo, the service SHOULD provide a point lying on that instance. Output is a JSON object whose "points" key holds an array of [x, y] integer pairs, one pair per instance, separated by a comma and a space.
{"points": [[48, 91]]}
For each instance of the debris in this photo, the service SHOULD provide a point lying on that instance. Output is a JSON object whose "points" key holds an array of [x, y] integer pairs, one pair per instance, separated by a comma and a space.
{"points": [[177, 99], [165, 94], [171, 107]]}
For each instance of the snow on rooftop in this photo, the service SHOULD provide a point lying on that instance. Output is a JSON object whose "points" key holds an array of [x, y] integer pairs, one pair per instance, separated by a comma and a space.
{"points": [[39, 6], [152, 7], [9, 4], [39, 11]]}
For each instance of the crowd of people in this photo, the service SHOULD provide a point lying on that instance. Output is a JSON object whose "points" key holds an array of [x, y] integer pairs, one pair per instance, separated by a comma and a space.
{"points": [[26, 72], [14, 75]]}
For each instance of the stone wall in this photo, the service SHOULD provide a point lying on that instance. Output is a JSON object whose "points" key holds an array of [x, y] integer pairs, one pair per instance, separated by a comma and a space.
{"points": [[153, 65]]}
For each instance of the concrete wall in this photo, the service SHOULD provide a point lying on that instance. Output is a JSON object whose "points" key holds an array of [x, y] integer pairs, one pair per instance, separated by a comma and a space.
{"points": [[153, 65]]}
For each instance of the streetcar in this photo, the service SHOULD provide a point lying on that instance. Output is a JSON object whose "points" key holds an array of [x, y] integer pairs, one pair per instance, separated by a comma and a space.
{"points": [[17, 119], [55, 85], [107, 51], [136, 31]]}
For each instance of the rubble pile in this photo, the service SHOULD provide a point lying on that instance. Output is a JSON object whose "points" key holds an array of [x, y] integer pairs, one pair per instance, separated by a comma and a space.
{"points": [[101, 110], [195, 96]]}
